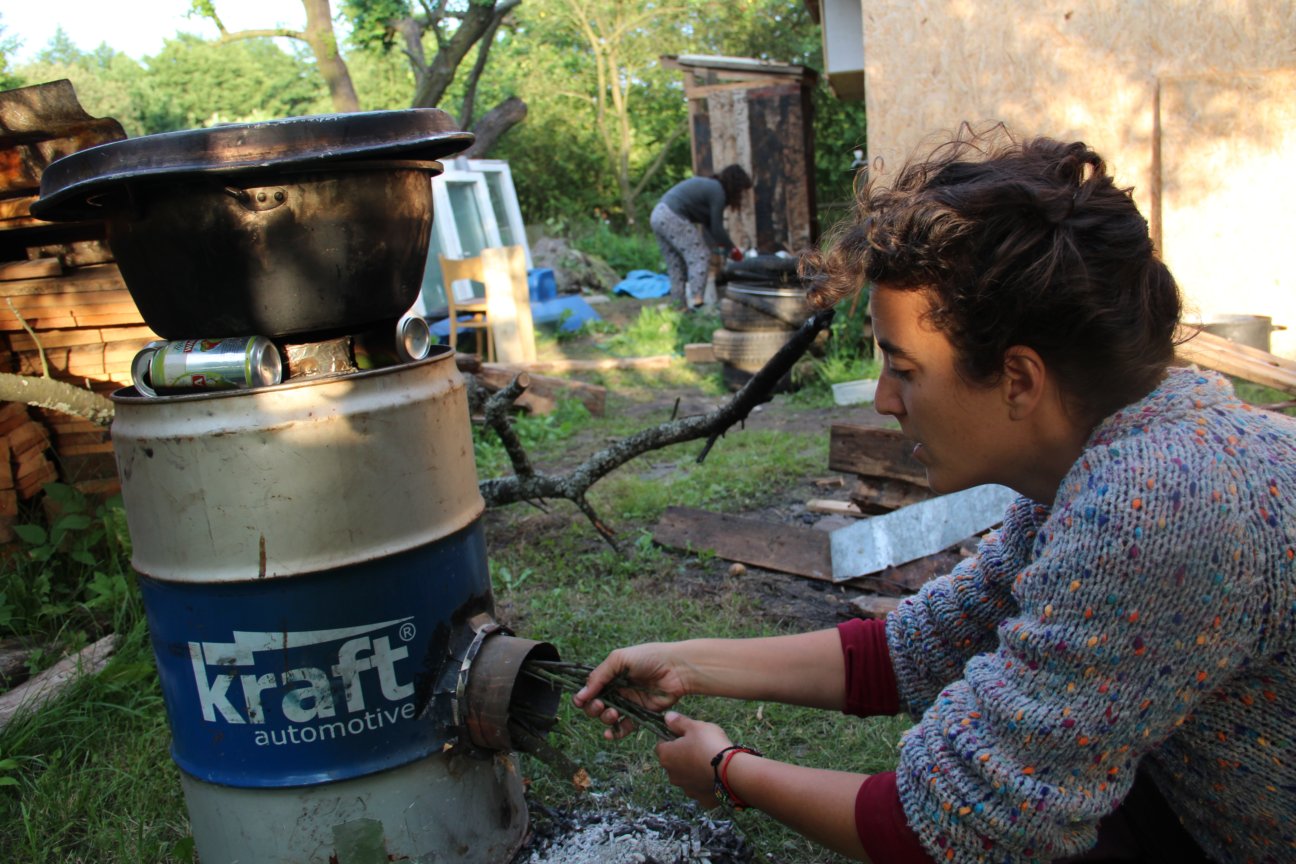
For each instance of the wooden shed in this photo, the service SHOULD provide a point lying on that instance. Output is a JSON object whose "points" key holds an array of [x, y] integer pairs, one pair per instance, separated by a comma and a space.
{"points": [[758, 115], [1190, 103], [65, 312]]}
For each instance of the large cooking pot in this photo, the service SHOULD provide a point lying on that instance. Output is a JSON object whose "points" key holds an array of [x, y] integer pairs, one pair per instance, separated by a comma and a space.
{"points": [[308, 227]]}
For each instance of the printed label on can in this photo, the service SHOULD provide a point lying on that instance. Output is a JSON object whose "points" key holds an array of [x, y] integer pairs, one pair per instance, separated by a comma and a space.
{"points": [[295, 680], [215, 364]]}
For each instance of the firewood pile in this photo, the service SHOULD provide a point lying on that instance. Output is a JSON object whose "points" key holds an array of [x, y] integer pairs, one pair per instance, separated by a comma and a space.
{"points": [[65, 312]]}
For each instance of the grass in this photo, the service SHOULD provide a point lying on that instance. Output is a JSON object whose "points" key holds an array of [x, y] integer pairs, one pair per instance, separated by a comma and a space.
{"points": [[89, 778]]}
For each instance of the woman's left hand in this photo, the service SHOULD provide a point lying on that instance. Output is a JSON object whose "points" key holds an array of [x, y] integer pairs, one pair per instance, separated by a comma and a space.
{"points": [[687, 759]]}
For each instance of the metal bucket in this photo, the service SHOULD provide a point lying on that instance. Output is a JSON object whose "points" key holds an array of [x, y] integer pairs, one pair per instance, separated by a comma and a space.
{"points": [[313, 569], [1250, 330]]}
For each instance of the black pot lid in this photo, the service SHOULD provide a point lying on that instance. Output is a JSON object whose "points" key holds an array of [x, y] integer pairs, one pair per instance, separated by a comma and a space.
{"points": [[68, 184]]}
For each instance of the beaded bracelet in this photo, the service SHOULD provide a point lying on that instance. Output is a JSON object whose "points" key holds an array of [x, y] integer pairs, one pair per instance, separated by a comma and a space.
{"points": [[720, 767]]}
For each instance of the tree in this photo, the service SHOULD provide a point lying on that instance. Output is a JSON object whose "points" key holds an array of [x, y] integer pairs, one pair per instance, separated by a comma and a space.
{"points": [[318, 35], [456, 27], [625, 40], [8, 45]]}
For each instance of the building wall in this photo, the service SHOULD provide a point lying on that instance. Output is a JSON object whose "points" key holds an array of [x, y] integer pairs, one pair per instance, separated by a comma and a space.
{"points": [[1190, 102]]}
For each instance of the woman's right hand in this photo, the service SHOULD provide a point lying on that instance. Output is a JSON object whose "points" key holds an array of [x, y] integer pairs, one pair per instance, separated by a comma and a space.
{"points": [[656, 672]]}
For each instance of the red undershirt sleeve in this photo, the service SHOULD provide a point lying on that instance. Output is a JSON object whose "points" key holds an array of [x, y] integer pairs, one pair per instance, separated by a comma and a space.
{"points": [[883, 829], [871, 691], [871, 688]]}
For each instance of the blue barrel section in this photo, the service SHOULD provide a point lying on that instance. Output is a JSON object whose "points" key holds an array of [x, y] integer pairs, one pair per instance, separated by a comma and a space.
{"points": [[318, 678]]}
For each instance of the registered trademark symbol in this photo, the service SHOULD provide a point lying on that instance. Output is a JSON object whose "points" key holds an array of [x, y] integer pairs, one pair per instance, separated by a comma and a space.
{"points": [[406, 632]]}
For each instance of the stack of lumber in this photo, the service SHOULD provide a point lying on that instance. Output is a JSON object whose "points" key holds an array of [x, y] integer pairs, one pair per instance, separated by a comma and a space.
{"points": [[64, 309], [24, 446]]}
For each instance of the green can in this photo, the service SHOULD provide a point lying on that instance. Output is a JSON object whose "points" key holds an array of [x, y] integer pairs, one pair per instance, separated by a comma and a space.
{"points": [[236, 363]]}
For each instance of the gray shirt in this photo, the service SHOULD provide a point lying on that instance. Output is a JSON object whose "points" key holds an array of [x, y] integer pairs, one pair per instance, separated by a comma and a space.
{"points": [[701, 200]]}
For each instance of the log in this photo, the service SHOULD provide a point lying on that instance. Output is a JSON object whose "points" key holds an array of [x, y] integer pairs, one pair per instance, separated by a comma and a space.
{"points": [[834, 508], [36, 692]]}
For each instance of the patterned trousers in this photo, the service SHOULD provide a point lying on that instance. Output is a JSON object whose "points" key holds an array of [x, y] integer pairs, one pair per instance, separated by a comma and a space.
{"points": [[687, 256]]}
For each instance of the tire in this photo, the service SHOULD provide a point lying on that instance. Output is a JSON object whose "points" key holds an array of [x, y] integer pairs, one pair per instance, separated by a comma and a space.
{"points": [[748, 350], [743, 318]]}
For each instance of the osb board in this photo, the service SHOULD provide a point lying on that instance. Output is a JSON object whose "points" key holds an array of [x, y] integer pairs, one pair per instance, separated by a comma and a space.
{"points": [[1071, 70], [1228, 144]]}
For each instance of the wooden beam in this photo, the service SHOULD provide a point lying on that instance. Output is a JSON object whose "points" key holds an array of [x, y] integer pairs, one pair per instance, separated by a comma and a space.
{"points": [[36, 269], [497, 376], [661, 361]]}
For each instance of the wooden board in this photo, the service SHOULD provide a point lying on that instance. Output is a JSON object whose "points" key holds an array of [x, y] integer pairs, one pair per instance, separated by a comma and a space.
{"points": [[1250, 364], [873, 452], [874, 495], [785, 548]]}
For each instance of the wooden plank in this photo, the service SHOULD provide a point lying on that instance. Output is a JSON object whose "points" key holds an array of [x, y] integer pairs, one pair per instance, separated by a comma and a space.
{"points": [[834, 508], [1242, 361], [99, 277], [36, 269], [785, 548], [85, 336], [34, 694], [58, 321], [874, 452], [12, 415], [699, 352], [55, 300]]}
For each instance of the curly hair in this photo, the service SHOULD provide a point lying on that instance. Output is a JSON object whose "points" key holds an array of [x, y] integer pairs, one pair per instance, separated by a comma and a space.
{"points": [[1026, 243], [735, 181]]}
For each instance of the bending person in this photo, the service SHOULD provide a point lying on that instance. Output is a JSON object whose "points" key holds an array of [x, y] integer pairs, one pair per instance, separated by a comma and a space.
{"points": [[688, 221], [1109, 677]]}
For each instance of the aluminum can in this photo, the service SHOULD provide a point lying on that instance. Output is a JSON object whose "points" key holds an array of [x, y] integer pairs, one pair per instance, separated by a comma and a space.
{"points": [[409, 341], [140, 368], [236, 363]]}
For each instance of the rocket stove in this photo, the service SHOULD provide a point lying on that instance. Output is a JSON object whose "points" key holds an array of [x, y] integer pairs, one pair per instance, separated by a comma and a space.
{"points": [[310, 553]]}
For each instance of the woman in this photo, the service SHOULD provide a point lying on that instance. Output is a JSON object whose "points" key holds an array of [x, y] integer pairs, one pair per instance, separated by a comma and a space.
{"points": [[1108, 677], [690, 208]]}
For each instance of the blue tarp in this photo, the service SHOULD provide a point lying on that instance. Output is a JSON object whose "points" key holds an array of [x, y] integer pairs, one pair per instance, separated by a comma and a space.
{"points": [[543, 312], [643, 284]]}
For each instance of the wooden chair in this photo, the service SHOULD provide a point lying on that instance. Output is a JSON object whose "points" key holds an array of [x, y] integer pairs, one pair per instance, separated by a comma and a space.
{"points": [[452, 270]]}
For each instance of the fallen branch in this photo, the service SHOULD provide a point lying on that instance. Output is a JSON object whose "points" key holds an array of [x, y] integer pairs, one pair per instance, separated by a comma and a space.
{"points": [[56, 395], [34, 693], [528, 485]]}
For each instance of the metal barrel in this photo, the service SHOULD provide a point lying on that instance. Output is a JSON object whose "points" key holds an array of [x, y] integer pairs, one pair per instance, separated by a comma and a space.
{"points": [[313, 567]]}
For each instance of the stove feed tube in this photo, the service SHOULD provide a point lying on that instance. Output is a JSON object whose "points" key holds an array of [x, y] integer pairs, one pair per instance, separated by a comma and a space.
{"points": [[312, 564]]}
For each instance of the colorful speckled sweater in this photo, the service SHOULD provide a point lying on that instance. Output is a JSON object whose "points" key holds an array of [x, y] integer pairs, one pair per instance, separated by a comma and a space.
{"points": [[1147, 616]]}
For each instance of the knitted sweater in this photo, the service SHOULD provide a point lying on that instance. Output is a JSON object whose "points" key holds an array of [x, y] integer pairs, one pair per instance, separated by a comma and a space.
{"points": [[1148, 615]]}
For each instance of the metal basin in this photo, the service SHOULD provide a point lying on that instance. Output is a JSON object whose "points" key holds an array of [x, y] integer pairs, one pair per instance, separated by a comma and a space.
{"points": [[306, 227]]}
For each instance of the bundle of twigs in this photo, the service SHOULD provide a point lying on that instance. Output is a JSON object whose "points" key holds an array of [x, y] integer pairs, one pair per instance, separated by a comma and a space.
{"points": [[572, 676]]}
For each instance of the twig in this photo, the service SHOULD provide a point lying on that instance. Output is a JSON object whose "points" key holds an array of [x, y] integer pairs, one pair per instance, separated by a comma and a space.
{"points": [[40, 349], [574, 484]]}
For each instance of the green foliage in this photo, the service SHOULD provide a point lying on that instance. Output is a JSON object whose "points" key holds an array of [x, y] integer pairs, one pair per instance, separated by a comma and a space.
{"points": [[71, 581], [535, 433], [623, 251], [662, 329]]}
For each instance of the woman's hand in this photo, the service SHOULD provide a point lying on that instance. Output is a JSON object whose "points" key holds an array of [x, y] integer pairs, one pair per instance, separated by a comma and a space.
{"points": [[687, 759], [655, 672]]}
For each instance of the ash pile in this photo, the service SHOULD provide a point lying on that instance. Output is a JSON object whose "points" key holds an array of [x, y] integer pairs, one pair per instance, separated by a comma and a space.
{"points": [[626, 836]]}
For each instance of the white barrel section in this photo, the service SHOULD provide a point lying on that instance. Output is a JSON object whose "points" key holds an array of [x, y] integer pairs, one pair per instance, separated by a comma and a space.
{"points": [[276, 481]]}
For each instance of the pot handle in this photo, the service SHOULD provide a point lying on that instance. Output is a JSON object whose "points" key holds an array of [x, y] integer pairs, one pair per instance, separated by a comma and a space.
{"points": [[258, 199]]}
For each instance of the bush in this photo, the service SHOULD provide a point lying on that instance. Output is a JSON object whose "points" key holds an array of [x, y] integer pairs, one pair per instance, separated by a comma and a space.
{"points": [[624, 252]]}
